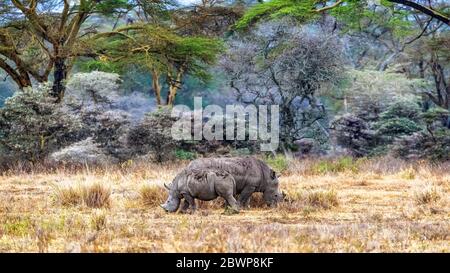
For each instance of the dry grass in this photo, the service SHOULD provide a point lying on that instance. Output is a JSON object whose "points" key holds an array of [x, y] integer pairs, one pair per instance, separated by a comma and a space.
{"points": [[152, 196], [379, 205], [427, 194], [93, 195]]}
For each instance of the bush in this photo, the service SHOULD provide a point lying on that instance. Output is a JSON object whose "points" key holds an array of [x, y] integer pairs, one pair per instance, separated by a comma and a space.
{"points": [[354, 134], [400, 118], [93, 88], [33, 125], [185, 155], [403, 108], [424, 145], [371, 93], [394, 127], [85, 152], [278, 163], [153, 135], [94, 97]]}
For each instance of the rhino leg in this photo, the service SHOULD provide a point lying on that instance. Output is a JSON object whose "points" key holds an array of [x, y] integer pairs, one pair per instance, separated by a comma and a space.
{"points": [[190, 201], [232, 202], [244, 197], [246, 205], [185, 206]]}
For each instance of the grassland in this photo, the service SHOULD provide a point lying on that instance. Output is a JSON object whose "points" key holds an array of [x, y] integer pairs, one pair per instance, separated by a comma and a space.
{"points": [[379, 205]]}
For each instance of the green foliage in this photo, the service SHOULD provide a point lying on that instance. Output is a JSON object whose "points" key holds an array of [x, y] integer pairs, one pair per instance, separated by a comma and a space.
{"points": [[397, 127], [158, 48], [371, 92], [355, 14], [400, 118], [109, 7], [433, 115], [185, 155], [278, 163], [402, 109], [302, 10], [99, 65]]}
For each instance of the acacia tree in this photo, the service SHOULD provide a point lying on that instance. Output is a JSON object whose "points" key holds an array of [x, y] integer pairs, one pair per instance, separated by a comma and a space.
{"points": [[55, 36], [166, 55], [209, 17], [281, 63], [413, 34], [306, 10]]}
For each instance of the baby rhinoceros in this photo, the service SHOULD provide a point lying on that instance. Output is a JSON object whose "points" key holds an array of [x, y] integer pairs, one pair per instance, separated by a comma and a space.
{"points": [[202, 184]]}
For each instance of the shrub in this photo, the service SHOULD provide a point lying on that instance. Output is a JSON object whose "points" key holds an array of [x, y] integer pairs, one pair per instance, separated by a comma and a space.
{"points": [[154, 135], [185, 155], [278, 163], [32, 125], [400, 118], [354, 134], [371, 93], [424, 145], [94, 97], [402, 108], [394, 127], [92, 88], [85, 152]]}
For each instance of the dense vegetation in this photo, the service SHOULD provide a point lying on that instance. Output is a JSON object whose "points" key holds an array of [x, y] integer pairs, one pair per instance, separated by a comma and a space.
{"points": [[90, 81]]}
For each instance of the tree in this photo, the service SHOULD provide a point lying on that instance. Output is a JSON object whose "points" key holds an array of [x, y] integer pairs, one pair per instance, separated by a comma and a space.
{"points": [[281, 63], [54, 35], [161, 51], [209, 18], [306, 10]]}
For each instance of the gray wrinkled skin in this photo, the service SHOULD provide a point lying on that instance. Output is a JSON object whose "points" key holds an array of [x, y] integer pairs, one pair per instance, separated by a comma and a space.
{"points": [[251, 175], [200, 184]]}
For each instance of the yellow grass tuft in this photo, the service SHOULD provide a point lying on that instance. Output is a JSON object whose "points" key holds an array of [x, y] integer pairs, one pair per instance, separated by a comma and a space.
{"points": [[93, 195], [152, 195], [427, 195], [322, 199]]}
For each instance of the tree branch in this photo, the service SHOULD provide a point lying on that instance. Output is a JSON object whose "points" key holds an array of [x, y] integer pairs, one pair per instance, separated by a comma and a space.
{"points": [[426, 10], [330, 6]]}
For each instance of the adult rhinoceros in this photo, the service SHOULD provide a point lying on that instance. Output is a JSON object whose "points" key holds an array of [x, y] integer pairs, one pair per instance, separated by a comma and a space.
{"points": [[250, 174]]}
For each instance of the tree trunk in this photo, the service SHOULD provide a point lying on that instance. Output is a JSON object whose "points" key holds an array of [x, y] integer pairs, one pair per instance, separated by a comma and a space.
{"points": [[156, 86], [60, 75], [287, 126], [174, 85]]}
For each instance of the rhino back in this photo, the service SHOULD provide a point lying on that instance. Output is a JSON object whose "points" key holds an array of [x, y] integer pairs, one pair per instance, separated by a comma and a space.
{"points": [[200, 184], [246, 171]]}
